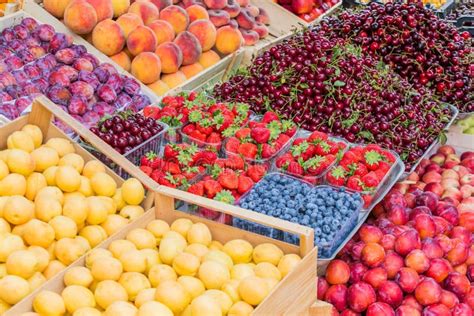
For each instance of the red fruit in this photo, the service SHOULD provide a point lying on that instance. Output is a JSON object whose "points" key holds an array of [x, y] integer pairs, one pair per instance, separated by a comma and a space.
{"points": [[336, 176], [147, 170], [425, 226], [245, 184], [469, 298], [242, 133], [317, 136], [462, 309], [428, 292], [228, 179], [337, 296], [393, 263], [379, 309], [356, 250], [449, 299], [269, 117], [357, 272], [388, 242], [370, 233], [459, 254], [439, 269], [372, 255], [211, 188], [411, 301], [256, 172], [268, 151], [323, 286], [248, 150], [234, 162], [197, 188], [406, 310], [375, 277], [407, 279], [390, 293], [295, 168], [348, 312], [301, 6], [428, 199], [214, 138], [407, 241], [354, 183], [232, 145], [417, 260], [359, 296], [457, 283], [337, 272], [260, 134], [461, 233], [398, 215], [431, 248], [470, 273], [436, 310], [370, 180]]}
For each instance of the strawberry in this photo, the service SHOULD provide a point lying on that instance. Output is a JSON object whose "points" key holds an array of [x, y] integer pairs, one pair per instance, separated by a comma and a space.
{"points": [[322, 148], [388, 156], [336, 176], [295, 168], [256, 172], [354, 183], [248, 150], [372, 159], [232, 145], [282, 140], [197, 188], [269, 117], [147, 170], [221, 162], [196, 134], [291, 131], [384, 166], [147, 159], [245, 184], [171, 167], [380, 174], [260, 134], [268, 151], [170, 151], [206, 130], [235, 162], [157, 163], [315, 165], [151, 111], [188, 129], [358, 169], [298, 141], [254, 124], [214, 138], [367, 199], [317, 136], [228, 179], [242, 133], [370, 180], [283, 161], [334, 147], [212, 187], [156, 175]]}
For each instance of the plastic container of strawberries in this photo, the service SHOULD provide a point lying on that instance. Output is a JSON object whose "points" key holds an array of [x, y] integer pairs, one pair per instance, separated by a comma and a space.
{"points": [[185, 138], [152, 144], [319, 179]]}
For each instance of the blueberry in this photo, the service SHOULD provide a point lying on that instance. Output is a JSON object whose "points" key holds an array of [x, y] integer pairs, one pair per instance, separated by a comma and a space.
{"points": [[326, 229]]}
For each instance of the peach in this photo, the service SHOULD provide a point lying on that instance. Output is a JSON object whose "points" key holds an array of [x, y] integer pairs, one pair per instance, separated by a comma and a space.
{"points": [[80, 16], [245, 19], [215, 4], [263, 17], [108, 37], [370, 233], [431, 176], [122, 60], [380, 308], [171, 57], [337, 296], [388, 242], [209, 58], [161, 4], [359, 296], [129, 22], [174, 79], [191, 70], [431, 248], [375, 277], [103, 8], [372, 254], [146, 67], [417, 260], [462, 268], [253, 10], [190, 46], [250, 37], [141, 39], [187, 3], [197, 12], [233, 8], [176, 16], [458, 254], [393, 263], [407, 279], [411, 301], [337, 272], [462, 309], [159, 87], [461, 233], [390, 293], [425, 226], [205, 32], [398, 215], [428, 292], [164, 31], [56, 7], [436, 310], [120, 7], [407, 242], [147, 11], [406, 310], [449, 299], [436, 187], [323, 286], [358, 271], [228, 40], [457, 283], [219, 17], [467, 220]]}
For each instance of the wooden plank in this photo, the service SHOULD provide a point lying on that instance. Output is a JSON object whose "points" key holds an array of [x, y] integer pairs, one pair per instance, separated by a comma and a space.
{"points": [[320, 308]]}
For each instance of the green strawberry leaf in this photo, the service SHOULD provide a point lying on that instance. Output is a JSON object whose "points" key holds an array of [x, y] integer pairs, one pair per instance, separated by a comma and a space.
{"points": [[297, 150], [225, 196], [195, 116]]}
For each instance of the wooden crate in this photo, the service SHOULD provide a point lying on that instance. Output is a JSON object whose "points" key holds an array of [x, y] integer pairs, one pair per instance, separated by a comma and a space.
{"points": [[294, 295], [10, 6]]}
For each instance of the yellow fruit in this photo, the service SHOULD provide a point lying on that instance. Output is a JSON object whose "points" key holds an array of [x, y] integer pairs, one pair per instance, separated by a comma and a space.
{"points": [[34, 183], [4, 307], [76, 208], [241, 309], [67, 179], [53, 268], [51, 249], [61, 145], [152, 308], [73, 195], [13, 289], [41, 255], [267, 252], [78, 276], [19, 230], [219, 256], [68, 250], [241, 271], [120, 308], [120, 246], [84, 243], [231, 288], [45, 158], [118, 199], [63, 227], [267, 270], [192, 285], [50, 175], [49, 303], [3, 200], [186, 264], [96, 253], [144, 296], [239, 250], [22, 263], [36, 280], [13, 184], [87, 311], [3, 169], [253, 290], [114, 223], [142, 238], [109, 291], [98, 210], [222, 298], [160, 273], [287, 263], [76, 296], [18, 210], [205, 305], [133, 191], [38, 233], [173, 295], [199, 250], [3, 270], [8, 244], [20, 140], [271, 283], [132, 212], [158, 228], [109, 204], [4, 226], [213, 274], [106, 268], [74, 160], [4, 154], [85, 188], [51, 192], [182, 225], [21, 162], [92, 167], [35, 134], [199, 233], [215, 245], [133, 261], [47, 208], [94, 234], [152, 257], [103, 184], [133, 283], [170, 247]]}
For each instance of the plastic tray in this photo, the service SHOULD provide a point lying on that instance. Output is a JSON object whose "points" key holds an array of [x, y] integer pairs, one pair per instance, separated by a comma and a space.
{"points": [[204, 145], [134, 155], [311, 179]]}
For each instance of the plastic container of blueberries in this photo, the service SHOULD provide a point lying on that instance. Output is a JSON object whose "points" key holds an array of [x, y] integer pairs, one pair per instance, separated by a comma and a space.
{"points": [[319, 179], [390, 178], [134, 155]]}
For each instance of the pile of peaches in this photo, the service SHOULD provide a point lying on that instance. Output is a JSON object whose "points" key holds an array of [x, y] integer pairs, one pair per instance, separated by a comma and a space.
{"points": [[416, 256], [164, 42]]}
